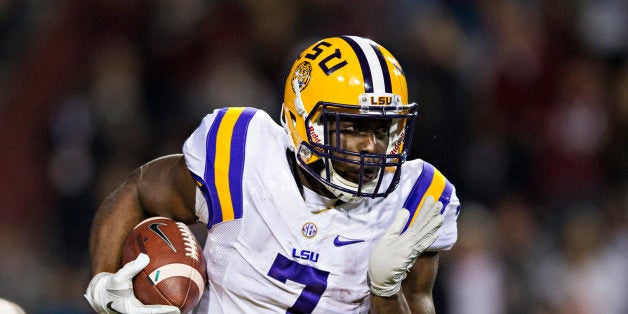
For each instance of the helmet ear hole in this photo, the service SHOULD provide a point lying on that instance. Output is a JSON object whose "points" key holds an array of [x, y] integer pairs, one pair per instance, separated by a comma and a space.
{"points": [[293, 119]]}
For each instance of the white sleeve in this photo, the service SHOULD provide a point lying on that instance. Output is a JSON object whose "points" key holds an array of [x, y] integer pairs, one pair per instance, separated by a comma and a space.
{"points": [[448, 232], [431, 182], [195, 154], [201, 206], [194, 148], [215, 156]]}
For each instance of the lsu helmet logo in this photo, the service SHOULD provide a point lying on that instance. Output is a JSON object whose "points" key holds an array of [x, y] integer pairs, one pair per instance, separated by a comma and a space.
{"points": [[381, 100], [302, 74]]}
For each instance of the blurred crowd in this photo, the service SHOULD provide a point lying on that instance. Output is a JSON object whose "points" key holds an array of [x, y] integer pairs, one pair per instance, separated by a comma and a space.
{"points": [[524, 107]]}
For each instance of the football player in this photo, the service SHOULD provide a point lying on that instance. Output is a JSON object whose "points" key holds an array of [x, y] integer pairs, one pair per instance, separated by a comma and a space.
{"points": [[322, 214]]}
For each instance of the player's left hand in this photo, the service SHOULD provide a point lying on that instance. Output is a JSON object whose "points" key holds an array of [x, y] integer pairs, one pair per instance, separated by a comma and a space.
{"points": [[113, 293], [396, 252]]}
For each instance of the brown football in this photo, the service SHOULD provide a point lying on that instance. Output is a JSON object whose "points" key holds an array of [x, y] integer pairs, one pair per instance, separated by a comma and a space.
{"points": [[176, 273]]}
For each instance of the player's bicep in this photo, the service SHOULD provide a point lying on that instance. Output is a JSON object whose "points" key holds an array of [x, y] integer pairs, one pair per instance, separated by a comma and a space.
{"points": [[166, 188], [417, 287]]}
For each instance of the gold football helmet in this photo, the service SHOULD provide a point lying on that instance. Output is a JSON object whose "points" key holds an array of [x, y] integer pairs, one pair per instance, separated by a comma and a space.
{"points": [[348, 77]]}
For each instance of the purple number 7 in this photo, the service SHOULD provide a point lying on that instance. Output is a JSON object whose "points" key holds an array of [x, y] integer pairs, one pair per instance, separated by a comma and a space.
{"points": [[315, 281]]}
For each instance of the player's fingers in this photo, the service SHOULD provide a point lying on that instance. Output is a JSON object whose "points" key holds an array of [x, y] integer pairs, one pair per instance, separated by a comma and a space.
{"points": [[421, 246], [428, 234], [426, 212], [425, 230], [122, 279], [399, 222], [432, 223], [428, 207], [430, 210], [439, 207]]}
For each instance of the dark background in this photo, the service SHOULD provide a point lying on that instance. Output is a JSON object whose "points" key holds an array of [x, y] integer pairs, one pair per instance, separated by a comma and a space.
{"points": [[524, 107]]}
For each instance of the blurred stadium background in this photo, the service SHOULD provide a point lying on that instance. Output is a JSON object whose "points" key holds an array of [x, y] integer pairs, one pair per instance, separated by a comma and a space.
{"points": [[524, 106]]}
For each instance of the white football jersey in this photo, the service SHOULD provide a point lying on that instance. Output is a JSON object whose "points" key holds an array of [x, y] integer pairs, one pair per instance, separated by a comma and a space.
{"points": [[272, 249]]}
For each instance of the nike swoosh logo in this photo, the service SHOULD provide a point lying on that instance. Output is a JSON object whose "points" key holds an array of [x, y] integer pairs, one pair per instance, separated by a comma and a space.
{"points": [[338, 242], [155, 228], [109, 307]]}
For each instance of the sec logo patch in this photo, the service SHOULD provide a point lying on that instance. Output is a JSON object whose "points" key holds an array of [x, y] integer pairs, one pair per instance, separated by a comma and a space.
{"points": [[309, 229]]}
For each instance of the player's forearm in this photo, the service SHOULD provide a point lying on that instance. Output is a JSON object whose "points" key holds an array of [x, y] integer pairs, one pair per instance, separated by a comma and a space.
{"points": [[394, 304], [419, 284], [421, 303], [115, 218], [399, 304]]}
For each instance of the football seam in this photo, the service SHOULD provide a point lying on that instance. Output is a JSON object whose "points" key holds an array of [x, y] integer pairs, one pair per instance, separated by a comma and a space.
{"points": [[191, 275], [155, 287], [189, 241], [196, 273], [190, 281]]}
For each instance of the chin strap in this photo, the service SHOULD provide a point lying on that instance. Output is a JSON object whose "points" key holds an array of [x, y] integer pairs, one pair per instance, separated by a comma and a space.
{"points": [[347, 197], [298, 103]]}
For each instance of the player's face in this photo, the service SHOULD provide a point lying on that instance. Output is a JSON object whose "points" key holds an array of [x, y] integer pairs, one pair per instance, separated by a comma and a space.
{"points": [[360, 135]]}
